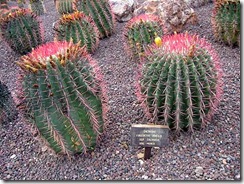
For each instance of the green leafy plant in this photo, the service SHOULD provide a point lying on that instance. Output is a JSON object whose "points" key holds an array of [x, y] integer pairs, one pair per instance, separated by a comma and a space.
{"points": [[63, 92], [101, 13], [37, 7], [181, 84], [21, 30], [141, 31], [78, 27], [226, 21]]}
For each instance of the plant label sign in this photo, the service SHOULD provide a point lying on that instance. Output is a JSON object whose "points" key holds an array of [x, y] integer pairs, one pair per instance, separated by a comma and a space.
{"points": [[149, 135]]}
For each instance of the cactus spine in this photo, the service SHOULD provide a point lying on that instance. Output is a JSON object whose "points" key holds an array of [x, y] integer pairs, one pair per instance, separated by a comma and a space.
{"points": [[101, 13], [139, 32], [181, 83], [79, 28], [226, 21], [65, 6], [37, 7], [62, 94], [21, 30]]}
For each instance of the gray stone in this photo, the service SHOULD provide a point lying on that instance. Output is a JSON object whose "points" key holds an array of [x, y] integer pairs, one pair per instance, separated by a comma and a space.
{"points": [[175, 14], [122, 9]]}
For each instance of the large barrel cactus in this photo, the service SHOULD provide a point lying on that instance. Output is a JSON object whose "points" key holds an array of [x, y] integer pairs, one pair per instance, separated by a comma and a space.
{"points": [[101, 13], [37, 7], [65, 6], [79, 28], [226, 21], [141, 31], [21, 30], [8, 110], [63, 96], [180, 86]]}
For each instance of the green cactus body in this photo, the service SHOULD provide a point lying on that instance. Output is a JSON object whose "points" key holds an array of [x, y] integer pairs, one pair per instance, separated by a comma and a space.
{"points": [[181, 83], [37, 7], [65, 6], [101, 13], [62, 95], [7, 107], [21, 30], [79, 28], [226, 21], [139, 32]]}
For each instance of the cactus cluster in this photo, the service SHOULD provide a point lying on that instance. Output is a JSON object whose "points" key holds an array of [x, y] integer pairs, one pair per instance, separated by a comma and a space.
{"points": [[101, 13], [141, 31], [180, 86], [65, 6], [7, 107], [79, 28], [21, 30], [226, 21], [62, 95], [37, 7]]}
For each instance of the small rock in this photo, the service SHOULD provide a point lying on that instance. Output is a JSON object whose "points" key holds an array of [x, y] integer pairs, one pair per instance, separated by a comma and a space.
{"points": [[141, 162], [44, 148], [140, 155], [199, 171], [13, 156], [145, 177], [237, 176], [224, 161], [8, 176]]}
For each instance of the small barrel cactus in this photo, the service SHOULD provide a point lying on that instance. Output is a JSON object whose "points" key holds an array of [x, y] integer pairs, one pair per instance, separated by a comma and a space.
{"points": [[8, 111], [141, 31], [180, 86], [65, 6], [226, 21], [21, 30], [3, 4], [63, 95], [37, 7], [101, 13], [79, 28]]}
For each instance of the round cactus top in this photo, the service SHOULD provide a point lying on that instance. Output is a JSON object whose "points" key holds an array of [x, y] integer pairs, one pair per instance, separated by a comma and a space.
{"points": [[14, 13], [142, 19], [60, 51], [66, 18]]}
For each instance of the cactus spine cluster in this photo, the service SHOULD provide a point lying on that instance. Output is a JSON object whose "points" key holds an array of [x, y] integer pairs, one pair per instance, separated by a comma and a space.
{"points": [[139, 32], [7, 107], [101, 13], [21, 30], [62, 94], [65, 6], [79, 28], [181, 84], [226, 21], [37, 7]]}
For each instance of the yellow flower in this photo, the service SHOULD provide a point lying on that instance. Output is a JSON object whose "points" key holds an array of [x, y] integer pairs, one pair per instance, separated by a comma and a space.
{"points": [[158, 41]]}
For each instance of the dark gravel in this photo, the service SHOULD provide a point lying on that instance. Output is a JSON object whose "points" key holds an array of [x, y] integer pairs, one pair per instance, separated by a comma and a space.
{"points": [[210, 154]]}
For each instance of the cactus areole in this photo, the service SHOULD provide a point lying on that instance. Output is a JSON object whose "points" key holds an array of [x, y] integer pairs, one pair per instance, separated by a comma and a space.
{"points": [[181, 84], [62, 95]]}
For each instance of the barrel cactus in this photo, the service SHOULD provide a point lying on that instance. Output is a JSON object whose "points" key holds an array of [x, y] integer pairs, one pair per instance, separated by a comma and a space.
{"points": [[3, 4], [180, 86], [79, 28], [101, 13], [65, 6], [62, 89], [226, 21], [8, 111], [21, 30], [37, 7], [141, 31]]}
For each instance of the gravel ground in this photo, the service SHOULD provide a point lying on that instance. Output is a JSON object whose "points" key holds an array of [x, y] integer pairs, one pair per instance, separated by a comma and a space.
{"points": [[210, 154]]}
